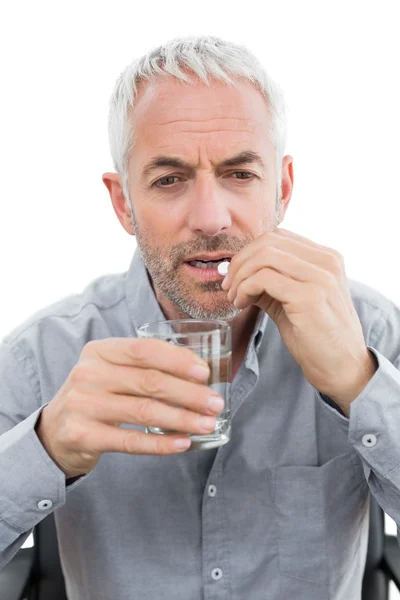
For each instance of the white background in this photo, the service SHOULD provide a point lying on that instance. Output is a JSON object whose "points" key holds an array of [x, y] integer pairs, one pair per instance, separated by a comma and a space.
{"points": [[337, 63]]}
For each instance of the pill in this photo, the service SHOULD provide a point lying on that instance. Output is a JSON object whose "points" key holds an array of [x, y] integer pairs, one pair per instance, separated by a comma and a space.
{"points": [[223, 268]]}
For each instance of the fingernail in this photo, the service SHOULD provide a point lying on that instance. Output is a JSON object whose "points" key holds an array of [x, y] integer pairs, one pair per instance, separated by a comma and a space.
{"points": [[224, 282], [183, 443]]}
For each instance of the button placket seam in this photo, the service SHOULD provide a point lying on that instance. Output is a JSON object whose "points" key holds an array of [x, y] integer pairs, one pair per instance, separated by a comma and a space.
{"points": [[228, 539]]}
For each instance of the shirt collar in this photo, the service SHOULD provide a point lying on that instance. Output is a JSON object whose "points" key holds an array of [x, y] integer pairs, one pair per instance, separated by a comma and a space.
{"points": [[143, 305]]}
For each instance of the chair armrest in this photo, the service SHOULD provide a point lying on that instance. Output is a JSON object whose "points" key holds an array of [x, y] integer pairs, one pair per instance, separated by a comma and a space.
{"points": [[15, 575], [391, 559]]}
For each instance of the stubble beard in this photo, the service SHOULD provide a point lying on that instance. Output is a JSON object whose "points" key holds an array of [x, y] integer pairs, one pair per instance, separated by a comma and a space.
{"points": [[166, 276]]}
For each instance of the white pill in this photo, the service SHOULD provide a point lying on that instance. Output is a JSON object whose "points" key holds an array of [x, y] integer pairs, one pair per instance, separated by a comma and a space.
{"points": [[223, 268]]}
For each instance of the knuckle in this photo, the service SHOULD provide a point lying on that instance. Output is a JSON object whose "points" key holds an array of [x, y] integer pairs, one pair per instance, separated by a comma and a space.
{"points": [[75, 399], [130, 442], [79, 373], [152, 382], [337, 254], [139, 349], [144, 411], [88, 349], [336, 262], [73, 435], [190, 421], [83, 372], [160, 444]]}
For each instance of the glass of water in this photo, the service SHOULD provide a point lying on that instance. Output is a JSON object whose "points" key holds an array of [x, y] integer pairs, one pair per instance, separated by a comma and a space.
{"points": [[212, 340]]}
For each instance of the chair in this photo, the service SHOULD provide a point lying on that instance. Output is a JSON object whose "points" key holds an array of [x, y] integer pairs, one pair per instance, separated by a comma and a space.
{"points": [[35, 573]]}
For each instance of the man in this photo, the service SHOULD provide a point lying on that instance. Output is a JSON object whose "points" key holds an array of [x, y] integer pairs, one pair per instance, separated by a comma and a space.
{"points": [[281, 511]]}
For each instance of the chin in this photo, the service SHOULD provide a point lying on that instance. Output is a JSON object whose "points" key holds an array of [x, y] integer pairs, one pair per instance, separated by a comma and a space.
{"points": [[204, 312]]}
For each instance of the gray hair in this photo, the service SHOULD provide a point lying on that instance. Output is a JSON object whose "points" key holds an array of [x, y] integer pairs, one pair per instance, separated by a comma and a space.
{"points": [[204, 56]]}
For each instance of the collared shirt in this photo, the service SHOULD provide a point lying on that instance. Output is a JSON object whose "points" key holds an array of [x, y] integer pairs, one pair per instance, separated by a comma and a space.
{"points": [[281, 511]]}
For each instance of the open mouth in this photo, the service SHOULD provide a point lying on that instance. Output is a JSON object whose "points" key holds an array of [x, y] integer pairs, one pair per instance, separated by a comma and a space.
{"points": [[207, 264]]}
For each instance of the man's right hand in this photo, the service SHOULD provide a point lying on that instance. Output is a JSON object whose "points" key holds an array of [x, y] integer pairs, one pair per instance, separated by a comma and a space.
{"points": [[116, 380]]}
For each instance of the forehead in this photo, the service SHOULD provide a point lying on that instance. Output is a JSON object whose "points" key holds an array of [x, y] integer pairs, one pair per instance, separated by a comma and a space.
{"points": [[169, 112], [166, 95]]}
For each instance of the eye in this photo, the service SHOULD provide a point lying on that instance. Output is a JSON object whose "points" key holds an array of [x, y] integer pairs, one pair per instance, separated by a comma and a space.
{"points": [[164, 179], [244, 173], [158, 183]]}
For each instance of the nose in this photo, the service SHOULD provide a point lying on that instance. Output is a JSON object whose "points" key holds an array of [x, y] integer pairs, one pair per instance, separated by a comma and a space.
{"points": [[208, 208]]}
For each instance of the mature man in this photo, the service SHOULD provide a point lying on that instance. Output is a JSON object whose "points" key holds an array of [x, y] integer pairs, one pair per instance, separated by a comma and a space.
{"points": [[197, 134]]}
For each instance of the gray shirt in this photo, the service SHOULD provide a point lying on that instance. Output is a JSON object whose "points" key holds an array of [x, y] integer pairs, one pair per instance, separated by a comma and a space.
{"points": [[279, 512]]}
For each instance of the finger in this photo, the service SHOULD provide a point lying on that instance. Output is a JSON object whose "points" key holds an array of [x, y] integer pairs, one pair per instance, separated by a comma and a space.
{"points": [[285, 233], [116, 409], [149, 383], [274, 284], [241, 258], [291, 244], [100, 438], [282, 262], [148, 353], [324, 256]]}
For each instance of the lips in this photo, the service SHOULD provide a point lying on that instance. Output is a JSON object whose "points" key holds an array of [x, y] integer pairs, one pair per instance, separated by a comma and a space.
{"points": [[210, 258], [204, 273]]}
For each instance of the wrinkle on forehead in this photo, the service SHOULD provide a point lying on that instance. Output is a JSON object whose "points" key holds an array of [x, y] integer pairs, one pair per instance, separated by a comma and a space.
{"points": [[202, 120]]}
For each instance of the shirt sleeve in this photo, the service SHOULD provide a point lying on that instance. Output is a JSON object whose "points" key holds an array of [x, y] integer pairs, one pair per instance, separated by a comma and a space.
{"points": [[32, 485], [374, 422], [374, 433]]}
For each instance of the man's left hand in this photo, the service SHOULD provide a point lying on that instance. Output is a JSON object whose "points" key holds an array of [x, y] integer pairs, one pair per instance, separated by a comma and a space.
{"points": [[303, 287]]}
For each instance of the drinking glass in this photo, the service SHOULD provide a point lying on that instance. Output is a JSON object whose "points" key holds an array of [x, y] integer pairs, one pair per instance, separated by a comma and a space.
{"points": [[212, 340]]}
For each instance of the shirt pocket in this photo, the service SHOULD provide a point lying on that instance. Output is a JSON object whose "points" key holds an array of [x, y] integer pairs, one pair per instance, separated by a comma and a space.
{"points": [[319, 511]]}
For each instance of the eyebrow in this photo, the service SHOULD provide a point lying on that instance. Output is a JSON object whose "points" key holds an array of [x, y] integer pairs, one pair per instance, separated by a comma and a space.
{"points": [[246, 157]]}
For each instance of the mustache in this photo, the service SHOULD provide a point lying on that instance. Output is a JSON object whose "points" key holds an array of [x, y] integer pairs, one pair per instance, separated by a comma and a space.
{"points": [[222, 244], [214, 246]]}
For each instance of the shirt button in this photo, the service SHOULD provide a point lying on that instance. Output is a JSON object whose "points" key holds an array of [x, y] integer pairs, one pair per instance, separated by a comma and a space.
{"points": [[212, 490], [216, 574], [369, 440], [45, 504]]}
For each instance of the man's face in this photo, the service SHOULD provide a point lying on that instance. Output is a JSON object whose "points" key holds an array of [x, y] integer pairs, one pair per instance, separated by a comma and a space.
{"points": [[181, 212]]}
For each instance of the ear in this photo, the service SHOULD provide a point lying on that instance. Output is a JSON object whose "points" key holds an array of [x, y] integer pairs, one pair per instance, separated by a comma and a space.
{"points": [[112, 181], [287, 184]]}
